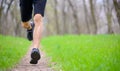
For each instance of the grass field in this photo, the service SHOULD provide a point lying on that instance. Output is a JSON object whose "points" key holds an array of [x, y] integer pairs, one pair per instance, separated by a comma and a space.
{"points": [[12, 49], [84, 52], [69, 52]]}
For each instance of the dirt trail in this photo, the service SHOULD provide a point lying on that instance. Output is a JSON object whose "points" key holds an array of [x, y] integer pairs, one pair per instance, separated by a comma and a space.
{"points": [[24, 64]]}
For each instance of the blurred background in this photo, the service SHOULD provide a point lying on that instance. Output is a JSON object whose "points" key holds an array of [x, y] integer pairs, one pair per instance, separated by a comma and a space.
{"points": [[65, 17]]}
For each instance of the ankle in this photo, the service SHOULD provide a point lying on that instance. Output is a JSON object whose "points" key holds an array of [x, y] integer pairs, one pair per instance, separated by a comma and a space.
{"points": [[26, 25]]}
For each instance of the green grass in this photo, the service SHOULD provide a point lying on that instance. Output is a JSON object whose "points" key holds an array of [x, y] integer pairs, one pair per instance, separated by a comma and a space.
{"points": [[84, 52], [12, 49]]}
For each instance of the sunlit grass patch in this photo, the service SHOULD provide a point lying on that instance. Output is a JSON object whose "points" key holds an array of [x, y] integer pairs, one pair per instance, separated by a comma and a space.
{"points": [[84, 52], [12, 49]]}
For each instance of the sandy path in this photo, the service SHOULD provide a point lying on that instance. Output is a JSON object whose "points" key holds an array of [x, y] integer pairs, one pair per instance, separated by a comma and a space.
{"points": [[24, 64]]}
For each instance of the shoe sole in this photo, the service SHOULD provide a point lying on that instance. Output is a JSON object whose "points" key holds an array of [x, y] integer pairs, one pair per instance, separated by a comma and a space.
{"points": [[35, 56], [33, 62]]}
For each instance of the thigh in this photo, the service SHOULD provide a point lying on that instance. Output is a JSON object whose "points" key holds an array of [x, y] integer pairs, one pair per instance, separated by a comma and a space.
{"points": [[39, 6], [26, 10]]}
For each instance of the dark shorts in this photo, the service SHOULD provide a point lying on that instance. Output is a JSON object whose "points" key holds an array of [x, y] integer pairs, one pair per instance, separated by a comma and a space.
{"points": [[26, 7]]}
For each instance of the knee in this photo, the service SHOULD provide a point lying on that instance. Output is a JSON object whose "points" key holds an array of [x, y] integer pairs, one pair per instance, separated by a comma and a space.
{"points": [[37, 19]]}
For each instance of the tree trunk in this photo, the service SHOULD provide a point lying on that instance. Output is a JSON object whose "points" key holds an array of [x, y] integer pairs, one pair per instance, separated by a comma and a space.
{"points": [[57, 17], [93, 17], [86, 16], [117, 8], [75, 17]]}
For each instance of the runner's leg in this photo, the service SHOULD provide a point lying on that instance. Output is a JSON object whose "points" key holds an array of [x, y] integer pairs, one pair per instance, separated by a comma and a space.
{"points": [[26, 12], [37, 30], [39, 7]]}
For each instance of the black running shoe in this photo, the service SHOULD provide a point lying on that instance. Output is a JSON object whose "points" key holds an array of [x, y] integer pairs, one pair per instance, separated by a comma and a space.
{"points": [[30, 32], [35, 56]]}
